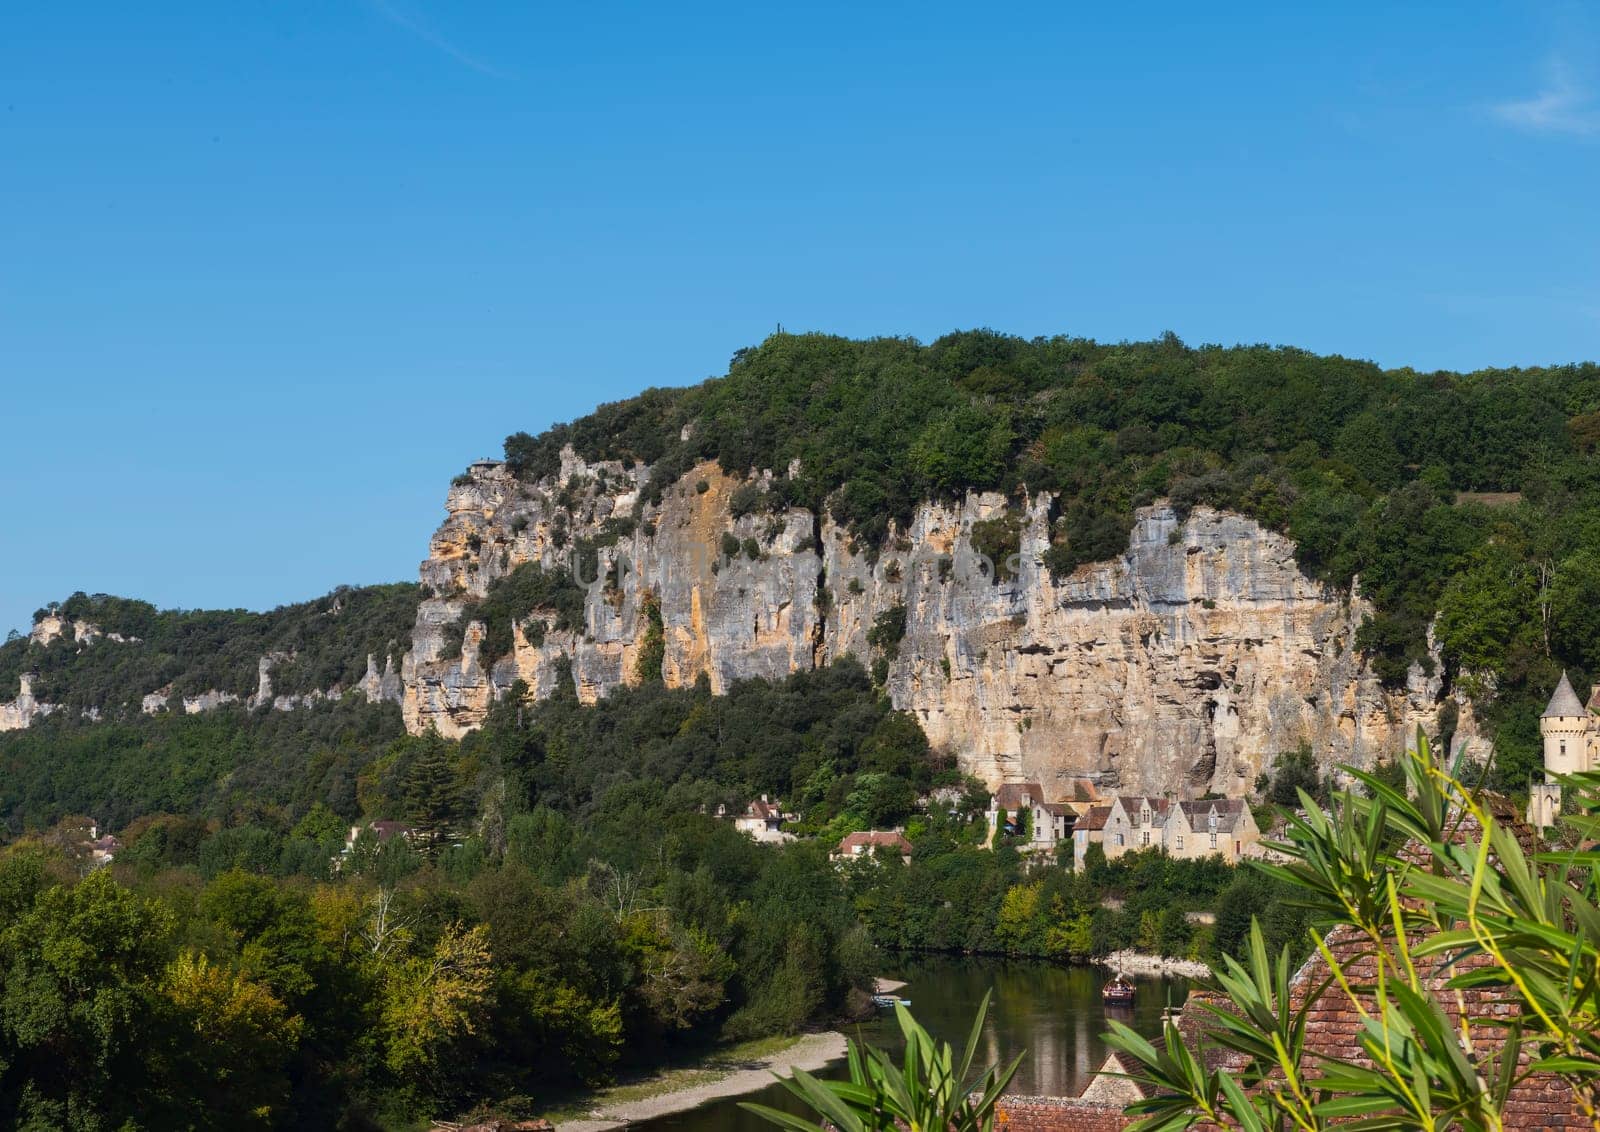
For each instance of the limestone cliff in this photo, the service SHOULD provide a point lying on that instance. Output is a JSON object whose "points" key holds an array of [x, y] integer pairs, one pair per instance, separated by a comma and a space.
{"points": [[1186, 664], [374, 687], [25, 708]]}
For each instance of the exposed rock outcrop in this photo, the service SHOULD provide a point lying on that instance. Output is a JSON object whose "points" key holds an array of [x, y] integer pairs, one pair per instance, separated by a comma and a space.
{"points": [[376, 687], [22, 711], [1188, 663], [52, 626]]}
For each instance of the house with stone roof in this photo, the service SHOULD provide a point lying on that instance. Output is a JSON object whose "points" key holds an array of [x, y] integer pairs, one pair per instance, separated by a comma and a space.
{"points": [[1201, 828], [1136, 822]]}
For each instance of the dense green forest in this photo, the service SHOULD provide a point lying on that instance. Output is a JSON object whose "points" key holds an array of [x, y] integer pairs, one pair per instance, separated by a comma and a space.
{"points": [[580, 909], [323, 642], [1471, 497]]}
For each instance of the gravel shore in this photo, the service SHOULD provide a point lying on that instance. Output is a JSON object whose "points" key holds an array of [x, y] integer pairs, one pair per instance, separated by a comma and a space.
{"points": [[1138, 963], [811, 1053]]}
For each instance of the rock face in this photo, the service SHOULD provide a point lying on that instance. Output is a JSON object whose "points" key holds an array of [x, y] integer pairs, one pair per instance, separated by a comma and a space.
{"points": [[375, 687], [52, 626], [22, 711], [1187, 664]]}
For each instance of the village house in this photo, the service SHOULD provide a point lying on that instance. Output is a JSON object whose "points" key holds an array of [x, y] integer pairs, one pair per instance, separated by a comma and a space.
{"points": [[1191, 830], [1049, 823], [102, 850], [1210, 826], [762, 820], [382, 830], [1090, 830], [1136, 822], [855, 846], [81, 837]]}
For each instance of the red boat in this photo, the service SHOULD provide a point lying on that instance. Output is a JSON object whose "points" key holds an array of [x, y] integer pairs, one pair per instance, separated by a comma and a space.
{"points": [[1118, 992]]}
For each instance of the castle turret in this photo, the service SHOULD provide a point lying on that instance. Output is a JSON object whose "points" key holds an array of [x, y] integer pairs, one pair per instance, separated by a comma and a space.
{"points": [[1565, 728]]}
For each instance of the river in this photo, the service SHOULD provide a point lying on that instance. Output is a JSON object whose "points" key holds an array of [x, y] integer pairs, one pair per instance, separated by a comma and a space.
{"points": [[1053, 1013]]}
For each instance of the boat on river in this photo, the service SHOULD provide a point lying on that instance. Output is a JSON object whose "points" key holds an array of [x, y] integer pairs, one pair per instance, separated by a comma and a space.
{"points": [[1118, 992]]}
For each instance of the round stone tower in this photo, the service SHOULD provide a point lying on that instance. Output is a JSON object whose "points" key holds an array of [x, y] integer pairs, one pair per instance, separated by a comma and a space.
{"points": [[1566, 729]]}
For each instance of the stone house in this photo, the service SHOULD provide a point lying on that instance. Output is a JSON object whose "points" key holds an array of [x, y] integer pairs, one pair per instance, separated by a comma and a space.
{"points": [[1190, 830], [1136, 822], [1049, 823], [762, 820], [1089, 830], [854, 846], [1201, 828]]}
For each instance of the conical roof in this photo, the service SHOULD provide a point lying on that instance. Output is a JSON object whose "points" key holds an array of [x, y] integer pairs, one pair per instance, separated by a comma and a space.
{"points": [[1565, 701]]}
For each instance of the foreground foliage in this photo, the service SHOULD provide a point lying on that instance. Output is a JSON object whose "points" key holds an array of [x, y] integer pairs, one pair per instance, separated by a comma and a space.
{"points": [[1439, 900], [930, 1089]]}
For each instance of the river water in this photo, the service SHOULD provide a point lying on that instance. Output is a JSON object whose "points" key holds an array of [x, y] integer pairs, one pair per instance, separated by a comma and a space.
{"points": [[1053, 1015]]}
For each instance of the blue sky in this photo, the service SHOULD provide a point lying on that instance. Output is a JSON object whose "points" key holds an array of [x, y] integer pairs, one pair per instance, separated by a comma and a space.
{"points": [[271, 273]]}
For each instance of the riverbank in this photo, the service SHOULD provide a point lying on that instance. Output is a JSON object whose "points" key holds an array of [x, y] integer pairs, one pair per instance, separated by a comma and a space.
{"points": [[1138, 963], [743, 1069]]}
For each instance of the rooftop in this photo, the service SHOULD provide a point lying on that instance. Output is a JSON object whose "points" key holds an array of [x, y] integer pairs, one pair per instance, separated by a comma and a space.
{"points": [[1011, 795], [1564, 702], [874, 839], [1095, 818]]}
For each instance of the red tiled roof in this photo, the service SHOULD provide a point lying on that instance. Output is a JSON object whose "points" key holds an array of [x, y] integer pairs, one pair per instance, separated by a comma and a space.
{"points": [[1057, 1114], [875, 839]]}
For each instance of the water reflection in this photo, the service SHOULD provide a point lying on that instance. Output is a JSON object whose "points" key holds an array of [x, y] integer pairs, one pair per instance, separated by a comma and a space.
{"points": [[1055, 1013]]}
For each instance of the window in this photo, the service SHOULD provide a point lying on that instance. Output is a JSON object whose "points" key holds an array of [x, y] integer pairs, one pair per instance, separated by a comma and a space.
{"points": [[1180, 842], [1147, 837], [1563, 746], [1213, 839]]}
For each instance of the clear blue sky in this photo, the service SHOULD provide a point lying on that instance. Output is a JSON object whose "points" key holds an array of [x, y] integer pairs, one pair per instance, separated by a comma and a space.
{"points": [[271, 273]]}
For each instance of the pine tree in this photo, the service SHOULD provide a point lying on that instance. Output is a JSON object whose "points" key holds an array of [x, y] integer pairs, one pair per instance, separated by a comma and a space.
{"points": [[431, 794]]}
